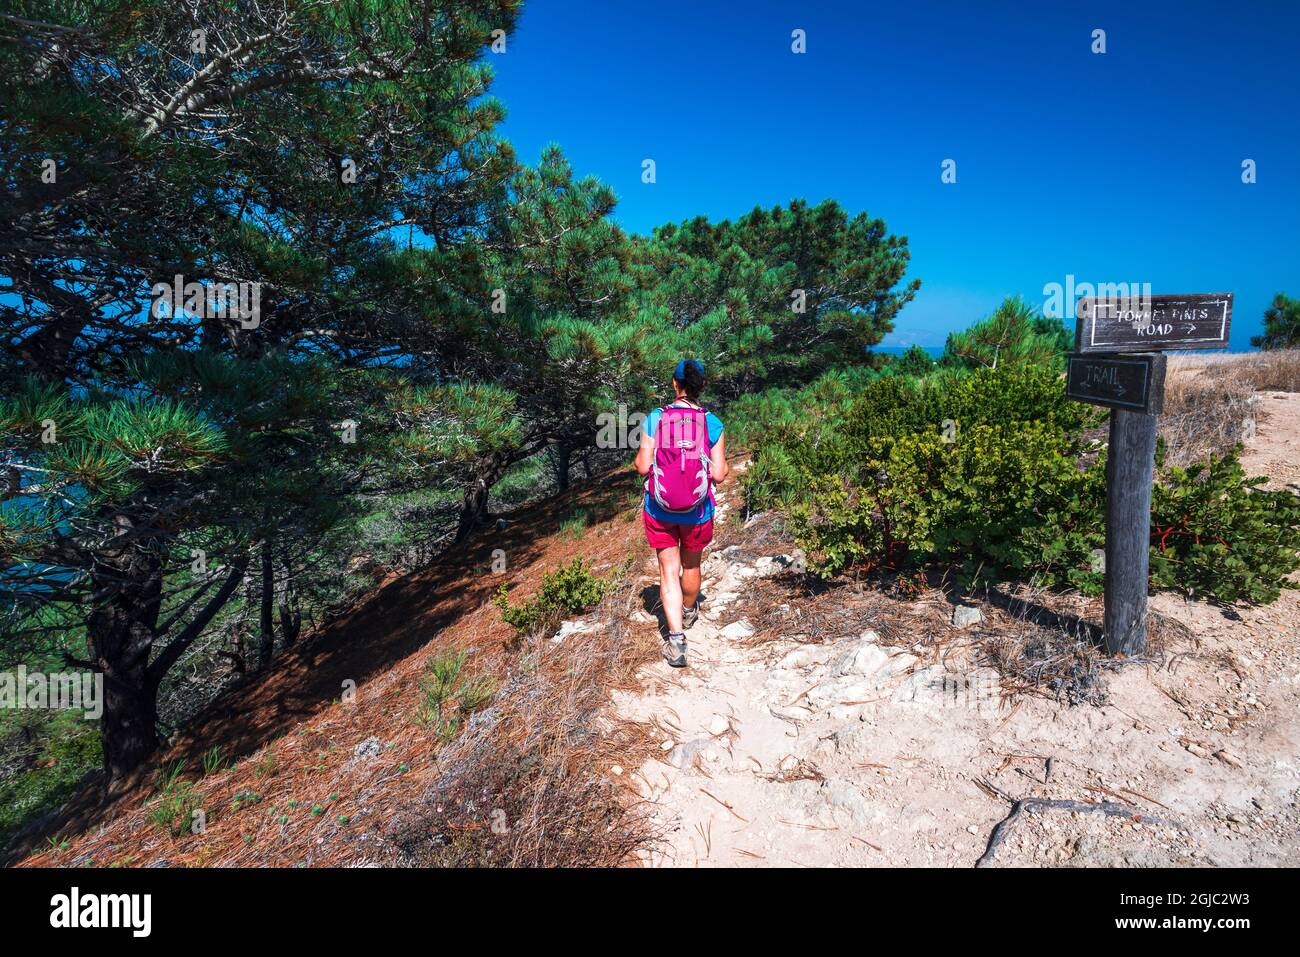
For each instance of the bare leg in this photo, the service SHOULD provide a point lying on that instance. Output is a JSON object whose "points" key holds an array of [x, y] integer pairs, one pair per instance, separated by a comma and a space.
{"points": [[670, 586], [690, 577]]}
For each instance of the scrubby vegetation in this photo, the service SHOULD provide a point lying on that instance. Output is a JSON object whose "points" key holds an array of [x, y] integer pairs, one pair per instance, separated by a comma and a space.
{"points": [[1281, 324], [569, 590], [449, 695], [996, 475]]}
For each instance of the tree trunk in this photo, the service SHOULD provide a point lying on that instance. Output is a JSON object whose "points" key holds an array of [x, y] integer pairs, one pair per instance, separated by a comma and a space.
{"points": [[290, 613], [474, 507], [266, 625], [562, 452], [120, 633]]}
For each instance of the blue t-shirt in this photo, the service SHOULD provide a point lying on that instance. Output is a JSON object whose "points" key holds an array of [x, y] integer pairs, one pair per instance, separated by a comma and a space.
{"points": [[704, 511]]}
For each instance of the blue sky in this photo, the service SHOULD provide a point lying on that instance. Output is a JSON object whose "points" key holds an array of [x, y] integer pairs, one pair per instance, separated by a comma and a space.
{"points": [[1115, 167]]}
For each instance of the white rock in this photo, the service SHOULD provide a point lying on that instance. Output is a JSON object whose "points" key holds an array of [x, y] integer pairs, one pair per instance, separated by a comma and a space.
{"points": [[737, 630], [682, 755], [842, 690], [713, 607], [568, 628], [719, 725], [769, 566], [802, 657], [864, 658], [845, 712], [791, 712], [963, 616]]}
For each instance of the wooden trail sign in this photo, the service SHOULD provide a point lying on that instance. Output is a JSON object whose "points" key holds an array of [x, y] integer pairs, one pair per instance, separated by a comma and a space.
{"points": [[1132, 385], [1130, 466], [1153, 323], [1118, 381]]}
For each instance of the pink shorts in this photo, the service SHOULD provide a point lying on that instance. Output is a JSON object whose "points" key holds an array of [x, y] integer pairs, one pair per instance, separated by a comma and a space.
{"points": [[692, 538]]}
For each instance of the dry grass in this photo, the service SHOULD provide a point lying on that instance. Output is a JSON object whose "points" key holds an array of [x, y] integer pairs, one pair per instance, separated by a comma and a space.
{"points": [[1210, 399], [1274, 371], [1040, 643], [529, 783], [1206, 411]]}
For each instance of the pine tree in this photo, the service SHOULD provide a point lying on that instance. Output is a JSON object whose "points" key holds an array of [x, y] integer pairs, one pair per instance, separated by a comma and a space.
{"points": [[285, 150], [1281, 324], [1015, 334]]}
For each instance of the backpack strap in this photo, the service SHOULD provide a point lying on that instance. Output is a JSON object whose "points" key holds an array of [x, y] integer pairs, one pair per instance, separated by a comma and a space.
{"points": [[683, 408], [680, 408]]}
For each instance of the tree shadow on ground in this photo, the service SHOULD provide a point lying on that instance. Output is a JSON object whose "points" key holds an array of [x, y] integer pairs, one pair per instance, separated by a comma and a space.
{"points": [[381, 628]]}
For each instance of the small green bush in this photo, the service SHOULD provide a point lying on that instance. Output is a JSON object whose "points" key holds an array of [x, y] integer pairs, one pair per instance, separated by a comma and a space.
{"points": [[173, 809], [68, 749], [213, 761], [448, 697], [569, 590], [1215, 533], [575, 524]]}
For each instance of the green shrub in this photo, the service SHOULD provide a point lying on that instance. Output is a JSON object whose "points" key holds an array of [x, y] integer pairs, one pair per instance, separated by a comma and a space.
{"points": [[213, 761], [914, 362], [995, 503], [567, 591], [68, 748], [575, 524], [985, 472], [1217, 534]]}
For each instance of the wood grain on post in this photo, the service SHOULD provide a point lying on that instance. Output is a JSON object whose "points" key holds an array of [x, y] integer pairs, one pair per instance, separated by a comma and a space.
{"points": [[1130, 464]]}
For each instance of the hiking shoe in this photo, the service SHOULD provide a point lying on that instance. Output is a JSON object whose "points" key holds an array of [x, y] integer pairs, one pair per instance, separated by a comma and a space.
{"points": [[689, 616], [675, 650]]}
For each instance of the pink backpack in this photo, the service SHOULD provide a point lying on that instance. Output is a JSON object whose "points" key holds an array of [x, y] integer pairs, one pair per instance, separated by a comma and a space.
{"points": [[679, 478]]}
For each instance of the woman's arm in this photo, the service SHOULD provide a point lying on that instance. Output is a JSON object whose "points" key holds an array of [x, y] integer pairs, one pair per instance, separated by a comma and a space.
{"points": [[718, 460], [645, 455]]}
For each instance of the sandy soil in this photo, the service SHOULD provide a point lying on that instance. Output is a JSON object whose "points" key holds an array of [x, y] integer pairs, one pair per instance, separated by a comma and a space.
{"points": [[861, 752], [1275, 451]]}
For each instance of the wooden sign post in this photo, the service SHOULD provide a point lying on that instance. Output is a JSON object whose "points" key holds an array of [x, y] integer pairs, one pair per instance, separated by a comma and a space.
{"points": [[1118, 365], [1135, 383]]}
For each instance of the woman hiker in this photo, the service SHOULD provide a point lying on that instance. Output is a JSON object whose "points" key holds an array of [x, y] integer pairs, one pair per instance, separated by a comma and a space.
{"points": [[682, 455]]}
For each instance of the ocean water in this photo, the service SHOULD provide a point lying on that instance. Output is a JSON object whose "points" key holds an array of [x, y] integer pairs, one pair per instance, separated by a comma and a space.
{"points": [[934, 351]]}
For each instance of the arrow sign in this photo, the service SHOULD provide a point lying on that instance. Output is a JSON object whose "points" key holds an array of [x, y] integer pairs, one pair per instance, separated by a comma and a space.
{"points": [[1153, 323], [1136, 383]]}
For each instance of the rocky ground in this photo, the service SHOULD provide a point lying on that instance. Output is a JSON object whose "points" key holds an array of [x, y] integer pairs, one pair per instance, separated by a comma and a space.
{"points": [[868, 750]]}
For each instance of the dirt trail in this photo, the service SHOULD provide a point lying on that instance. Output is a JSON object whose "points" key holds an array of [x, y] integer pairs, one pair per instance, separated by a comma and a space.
{"points": [[865, 752], [1275, 451]]}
